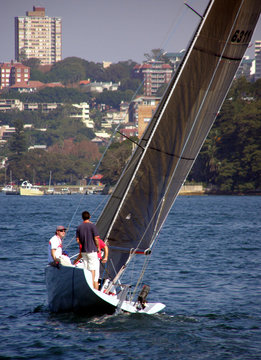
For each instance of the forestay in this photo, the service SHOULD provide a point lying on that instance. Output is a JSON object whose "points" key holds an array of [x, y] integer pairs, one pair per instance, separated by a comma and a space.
{"points": [[151, 181]]}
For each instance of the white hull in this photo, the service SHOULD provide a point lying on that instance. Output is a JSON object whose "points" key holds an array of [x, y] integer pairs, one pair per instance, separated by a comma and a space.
{"points": [[10, 190], [70, 289]]}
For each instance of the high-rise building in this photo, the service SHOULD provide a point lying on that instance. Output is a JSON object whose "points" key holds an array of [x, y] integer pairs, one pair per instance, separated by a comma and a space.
{"points": [[257, 59], [244, 68], [38, 36]]}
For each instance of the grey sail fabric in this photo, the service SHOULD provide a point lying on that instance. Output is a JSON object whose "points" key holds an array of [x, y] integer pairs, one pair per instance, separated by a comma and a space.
{"points": [[151, 181]]}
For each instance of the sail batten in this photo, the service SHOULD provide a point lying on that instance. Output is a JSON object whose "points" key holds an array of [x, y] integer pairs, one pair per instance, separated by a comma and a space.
{"points": [[230, 58], [151, 181], [174, 155]]}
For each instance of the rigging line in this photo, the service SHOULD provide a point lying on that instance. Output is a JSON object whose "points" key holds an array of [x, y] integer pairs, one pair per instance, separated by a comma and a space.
{"points": [[174, 155], [70, 222], [132, 254], [147, 259], [106, 149], [95, 170], [128, 168], [131, 178], [153, 148], [145, 265], [191, 8], [181, 13], [100, 204], [146, 262], [173, 27], [66, 246], [134, 142]]}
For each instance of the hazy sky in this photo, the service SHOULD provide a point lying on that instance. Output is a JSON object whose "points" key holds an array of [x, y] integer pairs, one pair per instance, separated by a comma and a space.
{"points": [[111, 30]]}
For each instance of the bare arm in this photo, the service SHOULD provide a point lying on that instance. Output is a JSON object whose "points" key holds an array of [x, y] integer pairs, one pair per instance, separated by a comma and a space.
{"points": [[96, 239], [53, 254], [106, 253], [78, 258], [80, 253]]}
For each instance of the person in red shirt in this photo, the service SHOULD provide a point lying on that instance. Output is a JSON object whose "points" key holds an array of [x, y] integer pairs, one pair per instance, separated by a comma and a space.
{"points": [[103, 247]]}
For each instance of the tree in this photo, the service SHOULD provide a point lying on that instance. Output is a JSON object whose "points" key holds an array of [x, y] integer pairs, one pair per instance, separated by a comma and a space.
{"points": [[131, 84], [22, 54], [115, 161], [33, 63], [230, 157], [69, 70], [155, 54], [114, 98], [17, 143]]}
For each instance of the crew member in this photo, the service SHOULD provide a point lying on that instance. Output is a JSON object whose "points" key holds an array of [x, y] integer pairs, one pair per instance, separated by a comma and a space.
{"points": [[87, 236]]}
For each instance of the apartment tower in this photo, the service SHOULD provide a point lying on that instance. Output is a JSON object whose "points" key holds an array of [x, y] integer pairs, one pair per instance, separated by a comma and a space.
{"points": [[38, 36], [257, 59]]}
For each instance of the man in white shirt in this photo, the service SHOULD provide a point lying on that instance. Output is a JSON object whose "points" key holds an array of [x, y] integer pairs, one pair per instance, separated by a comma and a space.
{"points": [[55, 245]]}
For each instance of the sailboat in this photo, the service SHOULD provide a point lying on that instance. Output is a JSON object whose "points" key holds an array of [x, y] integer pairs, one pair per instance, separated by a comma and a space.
{"points": [[151, 181], [10, 189], [50, 190]]}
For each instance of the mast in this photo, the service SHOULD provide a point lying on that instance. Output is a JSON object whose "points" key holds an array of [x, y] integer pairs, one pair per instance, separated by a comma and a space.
{"points": [[50, 177]]}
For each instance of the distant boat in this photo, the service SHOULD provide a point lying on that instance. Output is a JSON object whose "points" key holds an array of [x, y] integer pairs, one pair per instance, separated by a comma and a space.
{"points": [[50, 191], [10, 189], [97, 192], [27, 189], [65, 191], [151, 181]]}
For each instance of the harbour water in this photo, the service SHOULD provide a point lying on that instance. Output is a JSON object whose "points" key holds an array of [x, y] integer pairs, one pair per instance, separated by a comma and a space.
{"points": [[206, 268]]}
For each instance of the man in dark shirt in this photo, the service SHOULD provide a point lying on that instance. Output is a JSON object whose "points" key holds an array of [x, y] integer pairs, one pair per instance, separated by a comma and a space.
{"points": [[87, 236]]}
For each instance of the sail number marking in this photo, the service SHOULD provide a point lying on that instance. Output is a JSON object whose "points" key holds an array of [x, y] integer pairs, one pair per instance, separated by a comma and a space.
{"points": [[241, 36]]}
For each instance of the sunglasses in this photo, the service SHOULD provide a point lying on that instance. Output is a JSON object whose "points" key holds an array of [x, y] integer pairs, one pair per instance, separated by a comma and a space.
{"points": [[62, 230]]}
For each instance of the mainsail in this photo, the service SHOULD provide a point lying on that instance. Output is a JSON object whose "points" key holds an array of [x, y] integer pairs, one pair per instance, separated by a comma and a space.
{"points": [[152, 179]]}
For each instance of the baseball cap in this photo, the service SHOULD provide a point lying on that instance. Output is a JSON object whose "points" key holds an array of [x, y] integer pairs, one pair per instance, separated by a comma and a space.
{"points": [[60, 227]]}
